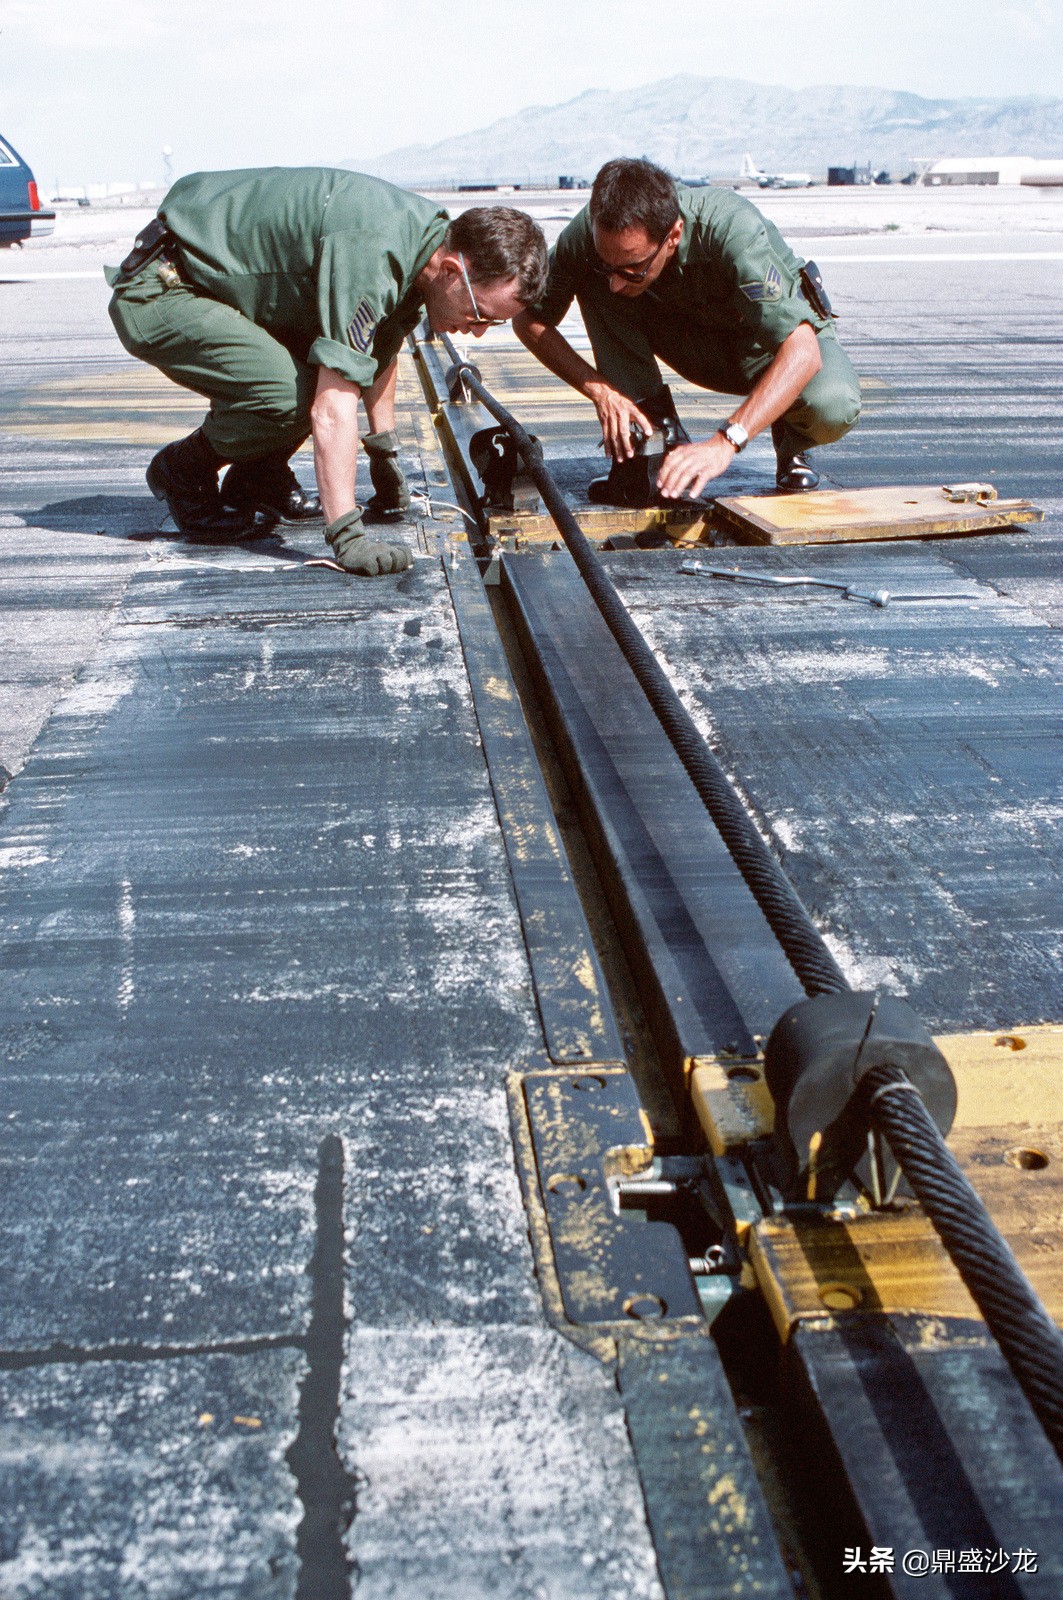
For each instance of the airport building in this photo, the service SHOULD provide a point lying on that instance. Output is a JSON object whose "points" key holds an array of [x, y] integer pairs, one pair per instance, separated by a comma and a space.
{"points": [[994, 170]]}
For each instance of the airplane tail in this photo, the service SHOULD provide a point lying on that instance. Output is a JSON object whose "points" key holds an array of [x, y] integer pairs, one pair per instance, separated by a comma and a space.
{"points": [[749, 167]]}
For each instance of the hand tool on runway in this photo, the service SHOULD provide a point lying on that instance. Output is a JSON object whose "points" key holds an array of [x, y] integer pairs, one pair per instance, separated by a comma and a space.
{"points": [[874, 597]]}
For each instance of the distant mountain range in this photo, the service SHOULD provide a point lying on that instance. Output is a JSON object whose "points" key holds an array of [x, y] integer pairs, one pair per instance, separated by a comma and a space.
{"points": [[702, 126]]}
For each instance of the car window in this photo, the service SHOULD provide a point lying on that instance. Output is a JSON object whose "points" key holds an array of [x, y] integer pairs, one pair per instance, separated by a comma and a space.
{"points": [[7, 157]]}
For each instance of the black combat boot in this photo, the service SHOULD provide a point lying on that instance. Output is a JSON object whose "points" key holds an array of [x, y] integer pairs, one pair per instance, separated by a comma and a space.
{"points": [[269, 485], [660, 408], [634, 482], [185, 475], [629, 482], [794, 473]]}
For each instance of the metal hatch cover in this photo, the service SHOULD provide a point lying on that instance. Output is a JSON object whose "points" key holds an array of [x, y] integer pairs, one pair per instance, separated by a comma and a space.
{"points": [[612, 1268], [903, 511]]}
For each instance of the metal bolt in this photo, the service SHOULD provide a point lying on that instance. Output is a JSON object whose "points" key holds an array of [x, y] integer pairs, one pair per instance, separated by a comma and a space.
{"points": [[712, 1261], [648, 1188]]}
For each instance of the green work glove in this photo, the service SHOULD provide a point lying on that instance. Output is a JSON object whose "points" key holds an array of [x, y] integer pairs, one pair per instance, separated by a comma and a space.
{"points": [[392, 496], [356, 553]]}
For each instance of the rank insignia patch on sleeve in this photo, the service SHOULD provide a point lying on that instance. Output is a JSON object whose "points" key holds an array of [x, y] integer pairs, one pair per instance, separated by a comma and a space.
{"points": [[770, 289], [362, 327]]}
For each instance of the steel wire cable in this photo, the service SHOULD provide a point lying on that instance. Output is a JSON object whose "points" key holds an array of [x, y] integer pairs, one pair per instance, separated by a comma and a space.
{"points": [[1030, 1341], [788, 919], [1028, 1338]]}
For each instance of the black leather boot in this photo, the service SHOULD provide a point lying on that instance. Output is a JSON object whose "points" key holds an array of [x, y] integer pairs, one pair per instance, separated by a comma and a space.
{"points": [[185, 475], [628, 484], [633, 482], [269, 485], [660, 408], [794, 473]]}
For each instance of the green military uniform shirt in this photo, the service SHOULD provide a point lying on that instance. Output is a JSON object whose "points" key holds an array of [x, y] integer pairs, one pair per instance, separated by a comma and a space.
{"points": [[733, 279], [323, 259]]}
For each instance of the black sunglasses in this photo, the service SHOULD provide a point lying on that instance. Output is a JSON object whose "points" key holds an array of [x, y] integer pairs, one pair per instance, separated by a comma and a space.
{"points": [[632, 274]]}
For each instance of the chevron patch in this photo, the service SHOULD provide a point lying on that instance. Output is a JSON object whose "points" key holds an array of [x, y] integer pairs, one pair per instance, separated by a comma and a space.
{"points": [[362, 327], [770, 289]]}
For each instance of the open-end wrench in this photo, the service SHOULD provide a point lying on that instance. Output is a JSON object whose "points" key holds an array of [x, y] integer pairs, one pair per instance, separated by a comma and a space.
{"points": [[874, 597]]}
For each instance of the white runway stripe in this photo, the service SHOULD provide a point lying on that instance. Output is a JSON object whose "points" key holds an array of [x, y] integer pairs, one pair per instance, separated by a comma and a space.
{"points": [[35, 277], [972, 255]]}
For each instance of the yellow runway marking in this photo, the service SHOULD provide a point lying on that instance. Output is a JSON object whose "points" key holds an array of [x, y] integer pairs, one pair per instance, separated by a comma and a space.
{"points": [[139, 407], [126, 407]]}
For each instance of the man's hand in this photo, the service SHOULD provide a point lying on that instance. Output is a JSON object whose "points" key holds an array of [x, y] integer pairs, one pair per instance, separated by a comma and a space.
{"points": [[687, 469], [368, 558], [616, 413]]}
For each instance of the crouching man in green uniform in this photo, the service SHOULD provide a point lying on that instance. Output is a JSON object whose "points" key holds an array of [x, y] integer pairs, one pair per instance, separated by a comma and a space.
{"points": [[701, 279], [284, 295]]}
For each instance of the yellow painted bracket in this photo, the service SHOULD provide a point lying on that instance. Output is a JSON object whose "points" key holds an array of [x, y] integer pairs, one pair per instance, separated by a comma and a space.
{"points": [[1010, 1077], [681, 526], [732, 1101], [818, 1265], [1007, 1137]]}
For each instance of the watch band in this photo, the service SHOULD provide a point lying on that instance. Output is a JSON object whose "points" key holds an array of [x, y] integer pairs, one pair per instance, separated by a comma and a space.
{"points": [[735, 435]]}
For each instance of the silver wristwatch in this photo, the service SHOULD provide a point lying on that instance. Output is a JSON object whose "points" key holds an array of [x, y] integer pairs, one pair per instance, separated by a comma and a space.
{"points": [[735, 435]]}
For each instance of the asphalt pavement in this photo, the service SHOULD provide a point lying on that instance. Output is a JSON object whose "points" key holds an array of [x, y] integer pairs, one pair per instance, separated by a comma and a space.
{"points": [[264, 972], [273, 1328]]}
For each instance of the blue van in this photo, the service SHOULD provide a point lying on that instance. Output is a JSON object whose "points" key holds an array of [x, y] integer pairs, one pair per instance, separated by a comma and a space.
{"points": [[21, 216]]}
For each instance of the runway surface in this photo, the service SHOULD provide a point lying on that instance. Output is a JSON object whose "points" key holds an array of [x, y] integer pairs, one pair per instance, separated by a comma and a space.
{"points": [[264, 965]]}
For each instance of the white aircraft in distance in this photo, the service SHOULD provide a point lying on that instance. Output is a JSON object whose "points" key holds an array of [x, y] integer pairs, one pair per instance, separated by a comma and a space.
{"points": [[774, 180]]}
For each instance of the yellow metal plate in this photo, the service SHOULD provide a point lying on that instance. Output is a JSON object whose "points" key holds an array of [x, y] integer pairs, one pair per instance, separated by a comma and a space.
{"points": [[1013, 1075], [816, 1266], [1007, 1137], [1008, 1077], [732, 1101]]}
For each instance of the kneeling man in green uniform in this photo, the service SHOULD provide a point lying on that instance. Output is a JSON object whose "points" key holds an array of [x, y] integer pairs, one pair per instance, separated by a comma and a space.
{"points": [[283, 294], [702, 280]]}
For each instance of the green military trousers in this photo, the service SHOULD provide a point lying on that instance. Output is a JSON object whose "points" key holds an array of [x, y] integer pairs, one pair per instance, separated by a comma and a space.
{"points": [[259, 392], [627, 335]]}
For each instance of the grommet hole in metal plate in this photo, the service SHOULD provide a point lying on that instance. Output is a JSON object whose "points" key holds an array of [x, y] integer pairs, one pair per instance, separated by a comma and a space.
{"points": [[566, 1184], [840, 1296], [645, 1307], [1028, 1160]]}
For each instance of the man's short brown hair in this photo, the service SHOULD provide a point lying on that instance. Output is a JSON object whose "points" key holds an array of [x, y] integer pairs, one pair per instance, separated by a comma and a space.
{"points": [[500, 244], [634, 194]]}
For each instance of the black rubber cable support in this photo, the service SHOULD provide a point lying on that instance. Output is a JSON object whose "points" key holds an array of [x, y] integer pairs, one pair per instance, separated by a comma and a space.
{"points": [[791, 924], [1030, 1341]]}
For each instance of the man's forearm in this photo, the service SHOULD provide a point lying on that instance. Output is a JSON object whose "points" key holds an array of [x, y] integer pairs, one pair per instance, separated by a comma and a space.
{"points": [[334, 425], [796, 362], [380, 399], [615, 411], [335, 465], [689, 468], [555, 352]]}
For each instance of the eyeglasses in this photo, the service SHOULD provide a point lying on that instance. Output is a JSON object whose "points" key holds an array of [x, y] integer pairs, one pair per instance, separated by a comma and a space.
{"points": [[481, 322], [637, 273]]}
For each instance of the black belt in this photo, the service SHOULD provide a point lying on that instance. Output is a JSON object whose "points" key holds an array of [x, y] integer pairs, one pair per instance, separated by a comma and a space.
{"points": [[153, 243]]}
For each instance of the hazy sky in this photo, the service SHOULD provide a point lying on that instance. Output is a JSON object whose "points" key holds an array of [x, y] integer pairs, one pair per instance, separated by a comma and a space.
{"points": [[92, 91]]}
